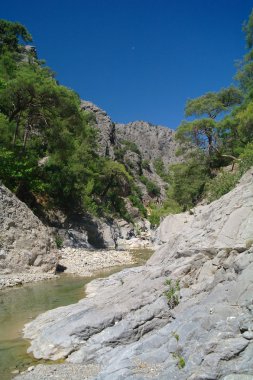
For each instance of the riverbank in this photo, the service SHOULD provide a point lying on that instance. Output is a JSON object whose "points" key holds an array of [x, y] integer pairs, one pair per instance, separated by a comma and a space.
{"points": [[83, 262], [9, 280], [22, 304], [187, 313], [76, 261], [64, 371]]}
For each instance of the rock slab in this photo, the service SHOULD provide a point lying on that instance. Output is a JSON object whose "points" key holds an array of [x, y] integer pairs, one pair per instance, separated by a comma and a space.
{"points": [[186, 314]]}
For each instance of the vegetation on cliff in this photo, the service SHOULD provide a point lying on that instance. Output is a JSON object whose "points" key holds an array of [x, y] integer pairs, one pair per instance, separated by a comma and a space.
{"points": [[217, 141], [48, 148], [47, 144]]}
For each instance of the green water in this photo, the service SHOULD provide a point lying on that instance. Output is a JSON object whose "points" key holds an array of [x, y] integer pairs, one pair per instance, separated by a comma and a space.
{"points": [[19, 305]]}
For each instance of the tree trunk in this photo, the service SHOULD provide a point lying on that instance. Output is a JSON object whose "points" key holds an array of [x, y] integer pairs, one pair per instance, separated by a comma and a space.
{"points": [[16, 131], [27, 130], [210, 144]]}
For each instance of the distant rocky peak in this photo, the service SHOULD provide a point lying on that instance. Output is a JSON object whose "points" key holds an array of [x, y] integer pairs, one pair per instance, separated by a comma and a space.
{"points": [[138, 146], [153, 141], [106, 135]]}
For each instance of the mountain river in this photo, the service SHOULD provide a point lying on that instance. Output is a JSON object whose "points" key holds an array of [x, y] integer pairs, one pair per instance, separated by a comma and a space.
{"points": [[19, 305]]}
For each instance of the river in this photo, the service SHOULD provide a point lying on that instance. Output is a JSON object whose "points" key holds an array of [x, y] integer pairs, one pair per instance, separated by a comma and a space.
{"points": [[21, 304]]}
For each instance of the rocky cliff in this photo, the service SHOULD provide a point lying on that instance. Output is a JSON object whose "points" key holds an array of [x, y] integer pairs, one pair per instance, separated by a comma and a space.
{"points": [[186, 314], [105, 127], [25, 242], [153, 141], [137, 145]]}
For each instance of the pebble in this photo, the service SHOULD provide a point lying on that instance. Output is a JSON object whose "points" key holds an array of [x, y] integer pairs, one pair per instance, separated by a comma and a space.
{"points": [[15, 372]]}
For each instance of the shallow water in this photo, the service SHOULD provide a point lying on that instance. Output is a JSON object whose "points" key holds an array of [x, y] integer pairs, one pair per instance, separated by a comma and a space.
{"points": [[21, 304]]}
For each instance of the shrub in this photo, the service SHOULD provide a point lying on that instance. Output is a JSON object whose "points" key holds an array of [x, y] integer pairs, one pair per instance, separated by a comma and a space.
{"points": [[58, 241], [188, 181], [220, 185], [125, 146], [135, 200], [160, 169], [172, 293], [152, 189], [170, 206], [246, 158], [177, 354], [129, 145], [145, 165]]}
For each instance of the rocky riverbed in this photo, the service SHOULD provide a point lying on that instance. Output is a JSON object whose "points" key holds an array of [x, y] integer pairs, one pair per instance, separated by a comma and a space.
{"points": [[78, 261], [8, 280], [186, 314], [85, 263], [24, 303]]}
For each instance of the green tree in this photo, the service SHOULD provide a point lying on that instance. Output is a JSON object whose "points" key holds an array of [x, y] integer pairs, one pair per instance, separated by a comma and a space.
{"points": [[187, 181], [204, 132], [11, 33], [245, 66]]}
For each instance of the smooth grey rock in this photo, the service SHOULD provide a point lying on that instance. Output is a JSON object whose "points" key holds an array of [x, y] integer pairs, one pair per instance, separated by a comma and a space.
{"points": [[125, 325], [238, 377], [248, 335]]}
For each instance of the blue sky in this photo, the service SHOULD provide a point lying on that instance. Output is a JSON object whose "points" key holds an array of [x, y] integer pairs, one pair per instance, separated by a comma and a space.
{"points": [[137, 59]]}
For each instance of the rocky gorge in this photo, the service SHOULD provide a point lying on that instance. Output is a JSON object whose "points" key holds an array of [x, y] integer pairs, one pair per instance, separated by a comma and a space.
{"points": [[186, 314], [152, 227], [138, 145], [29, 253]]}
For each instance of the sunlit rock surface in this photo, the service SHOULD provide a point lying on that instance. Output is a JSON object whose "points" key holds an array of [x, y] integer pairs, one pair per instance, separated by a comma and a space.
{"points": [[25, 243], [129, 329]]}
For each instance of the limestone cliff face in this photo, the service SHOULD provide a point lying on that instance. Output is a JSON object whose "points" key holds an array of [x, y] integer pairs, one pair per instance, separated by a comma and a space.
{"points": [[153, 141], [130, 329], [105, 127], [24, 241], [137, 145]]}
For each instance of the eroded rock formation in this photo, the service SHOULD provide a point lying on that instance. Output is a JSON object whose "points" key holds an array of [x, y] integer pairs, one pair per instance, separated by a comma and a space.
{"points": [[129, 329], [24, 241], [137, 145]]}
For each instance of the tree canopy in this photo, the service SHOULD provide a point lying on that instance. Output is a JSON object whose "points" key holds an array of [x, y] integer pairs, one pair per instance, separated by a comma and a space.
{"points": [[12, 35], [218, 132], [47, 146]]}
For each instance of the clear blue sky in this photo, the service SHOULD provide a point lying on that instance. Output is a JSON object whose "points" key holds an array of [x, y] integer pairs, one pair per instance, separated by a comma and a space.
{"points": [[137, 59]]}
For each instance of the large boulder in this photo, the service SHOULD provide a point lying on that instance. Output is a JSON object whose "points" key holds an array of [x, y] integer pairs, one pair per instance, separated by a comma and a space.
{"points": [[24, 241], [186, 314]]}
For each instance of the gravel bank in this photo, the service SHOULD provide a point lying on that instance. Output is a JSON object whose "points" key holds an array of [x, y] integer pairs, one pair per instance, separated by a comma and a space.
{"points": [[61, 371], [81, 262], [15, 279], [85, 262]]}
